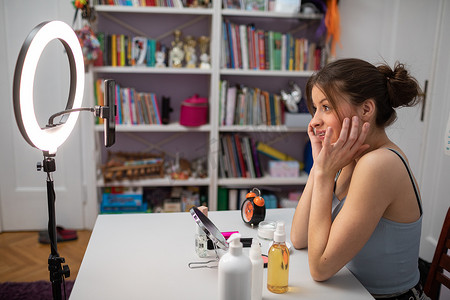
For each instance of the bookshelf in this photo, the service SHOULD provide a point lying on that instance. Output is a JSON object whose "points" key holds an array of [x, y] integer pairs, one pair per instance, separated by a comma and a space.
{"points": [[203, 140]]}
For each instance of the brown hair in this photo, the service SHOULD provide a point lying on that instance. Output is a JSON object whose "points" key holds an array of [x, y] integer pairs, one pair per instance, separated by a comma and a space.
{"points": [[357, 80]]}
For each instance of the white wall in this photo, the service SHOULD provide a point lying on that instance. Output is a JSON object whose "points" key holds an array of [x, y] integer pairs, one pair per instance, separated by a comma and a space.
{"points": [[23, 195]]}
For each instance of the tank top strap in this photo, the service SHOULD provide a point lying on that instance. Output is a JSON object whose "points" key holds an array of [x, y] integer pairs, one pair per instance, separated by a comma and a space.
{"points": [[416, 190]]}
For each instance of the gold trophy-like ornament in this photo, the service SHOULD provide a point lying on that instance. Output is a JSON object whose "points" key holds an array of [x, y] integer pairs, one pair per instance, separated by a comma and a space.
{"points": [[203, 42], [189, 49], [176, 54]]}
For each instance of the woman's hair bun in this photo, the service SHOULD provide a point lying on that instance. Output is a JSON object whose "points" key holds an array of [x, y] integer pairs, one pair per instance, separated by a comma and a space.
{"points": [[402, 88]]}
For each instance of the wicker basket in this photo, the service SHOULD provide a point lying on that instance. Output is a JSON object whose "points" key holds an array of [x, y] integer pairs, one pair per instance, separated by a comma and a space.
{"points": [[133, 166]]}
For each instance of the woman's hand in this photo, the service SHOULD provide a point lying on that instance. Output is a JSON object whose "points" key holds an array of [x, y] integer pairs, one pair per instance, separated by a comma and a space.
{"points": [[349, 146], [316, 143]]}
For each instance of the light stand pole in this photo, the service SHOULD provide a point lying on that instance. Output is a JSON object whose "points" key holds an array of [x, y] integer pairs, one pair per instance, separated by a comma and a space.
{"points": [[57, 272]]}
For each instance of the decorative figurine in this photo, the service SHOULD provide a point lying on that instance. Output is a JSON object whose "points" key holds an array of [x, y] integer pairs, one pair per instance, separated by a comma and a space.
{"points": [[204, 56], [176, 54], [189, 49], [160, 57]]}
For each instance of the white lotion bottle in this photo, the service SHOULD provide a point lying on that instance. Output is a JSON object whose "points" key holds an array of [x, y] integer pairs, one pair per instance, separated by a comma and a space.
{"points": [[257, 270], [235, 271]]}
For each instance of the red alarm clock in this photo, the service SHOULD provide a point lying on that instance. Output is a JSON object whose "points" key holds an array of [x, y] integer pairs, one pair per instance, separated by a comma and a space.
{"points": [[253, 209]]}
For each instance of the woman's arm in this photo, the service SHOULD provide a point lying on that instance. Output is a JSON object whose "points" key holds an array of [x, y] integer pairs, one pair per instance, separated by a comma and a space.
{"points": [[299, 229]]}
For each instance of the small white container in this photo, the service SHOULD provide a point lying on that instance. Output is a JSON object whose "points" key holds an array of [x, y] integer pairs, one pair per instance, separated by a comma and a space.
{"points": [[266, 230]]}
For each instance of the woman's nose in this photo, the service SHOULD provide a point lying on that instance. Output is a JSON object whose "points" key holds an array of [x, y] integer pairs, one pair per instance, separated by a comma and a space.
{"points": [[316, 120]]}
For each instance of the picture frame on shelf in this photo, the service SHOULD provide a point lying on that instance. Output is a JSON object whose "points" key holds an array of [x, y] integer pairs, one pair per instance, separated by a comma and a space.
{"points": [[232, 4], [255, 5], [287, 6]]}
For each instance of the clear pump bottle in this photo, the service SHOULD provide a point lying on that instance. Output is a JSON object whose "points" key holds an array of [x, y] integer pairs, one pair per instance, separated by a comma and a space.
{"points": [[278, 266]]}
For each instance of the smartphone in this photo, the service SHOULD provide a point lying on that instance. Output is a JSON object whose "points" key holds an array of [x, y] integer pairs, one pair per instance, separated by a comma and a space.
{"points": [[110, 116]]}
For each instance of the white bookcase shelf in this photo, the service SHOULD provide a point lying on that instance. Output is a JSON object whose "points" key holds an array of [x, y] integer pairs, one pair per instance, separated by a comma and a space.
{"points": [[211, 78], [153, 10], [166, 181], [173, 127], [150, 70], [266, 180]]}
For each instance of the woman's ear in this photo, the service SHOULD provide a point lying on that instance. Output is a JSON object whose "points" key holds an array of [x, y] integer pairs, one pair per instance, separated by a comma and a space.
{"points": [[367, 110]]}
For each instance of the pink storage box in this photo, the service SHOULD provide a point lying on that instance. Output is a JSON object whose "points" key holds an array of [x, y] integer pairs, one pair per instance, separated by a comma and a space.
{"points": [[194, 111]]}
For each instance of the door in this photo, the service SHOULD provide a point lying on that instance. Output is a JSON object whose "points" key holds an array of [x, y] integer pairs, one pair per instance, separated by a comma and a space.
{"points": [[411, 32], [23, 193], [436, 179]]}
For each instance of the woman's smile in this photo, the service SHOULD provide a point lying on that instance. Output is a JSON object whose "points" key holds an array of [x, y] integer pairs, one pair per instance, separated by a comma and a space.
{"points": [[320, 134]]}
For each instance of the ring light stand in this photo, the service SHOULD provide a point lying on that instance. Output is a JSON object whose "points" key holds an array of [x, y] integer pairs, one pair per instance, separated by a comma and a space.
{"points": [[48, 139]]}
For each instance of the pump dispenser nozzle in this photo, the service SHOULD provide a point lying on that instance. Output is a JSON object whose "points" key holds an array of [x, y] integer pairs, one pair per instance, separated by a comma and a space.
{"points": [[280, 233], [235, 245]]}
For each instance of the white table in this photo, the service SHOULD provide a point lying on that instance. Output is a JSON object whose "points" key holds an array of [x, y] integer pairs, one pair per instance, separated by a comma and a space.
{"points": [[146, 256]]}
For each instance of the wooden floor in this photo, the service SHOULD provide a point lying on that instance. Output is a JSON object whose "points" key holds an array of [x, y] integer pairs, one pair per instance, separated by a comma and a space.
{"points": [[23, 258]]}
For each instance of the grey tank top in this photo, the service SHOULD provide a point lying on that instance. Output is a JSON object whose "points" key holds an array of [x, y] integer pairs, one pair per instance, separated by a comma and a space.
{"points": [[388, 262]]}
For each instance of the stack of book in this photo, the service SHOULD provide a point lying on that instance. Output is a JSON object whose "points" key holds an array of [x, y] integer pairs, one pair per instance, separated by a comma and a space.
{"points": [[137, 3], [132, 107], [245, 47], [241, 105], [121, 50], [238, 157]]}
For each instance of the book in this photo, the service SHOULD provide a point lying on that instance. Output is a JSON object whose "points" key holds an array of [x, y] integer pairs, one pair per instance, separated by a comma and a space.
{"points": [[244, 46], [222, 102], [233, 200], [283, 51], [222, 198], [261, 50], [272, 152], [113, 50], [248, 156], [240, 155], [276, 51], [226, 157], [118, 105], [231, 45], [225, 54], [122, 50], [238, 46], [255, 158], [231, 156], [156, 109], [230, 105]]}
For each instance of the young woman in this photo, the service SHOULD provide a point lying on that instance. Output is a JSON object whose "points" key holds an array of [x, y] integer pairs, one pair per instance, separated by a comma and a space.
{"points": [[361, 205]]}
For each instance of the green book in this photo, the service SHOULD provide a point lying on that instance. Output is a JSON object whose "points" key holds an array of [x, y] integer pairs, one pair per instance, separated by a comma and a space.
{"points": [[222, 198]]}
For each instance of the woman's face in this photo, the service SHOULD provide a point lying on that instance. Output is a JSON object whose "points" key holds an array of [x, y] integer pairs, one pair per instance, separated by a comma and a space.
{"points": [[325, 115]]}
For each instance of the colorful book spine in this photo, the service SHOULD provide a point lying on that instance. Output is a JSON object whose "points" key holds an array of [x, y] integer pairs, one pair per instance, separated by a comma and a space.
{"points": [[272, 152], [156, 107]]}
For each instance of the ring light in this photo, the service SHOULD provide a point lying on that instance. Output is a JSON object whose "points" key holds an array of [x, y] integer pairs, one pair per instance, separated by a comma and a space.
{"points": [[50, 138]]}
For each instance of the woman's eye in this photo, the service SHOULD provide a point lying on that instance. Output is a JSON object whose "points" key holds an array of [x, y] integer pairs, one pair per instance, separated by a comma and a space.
{"points": [[325, 108]]}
